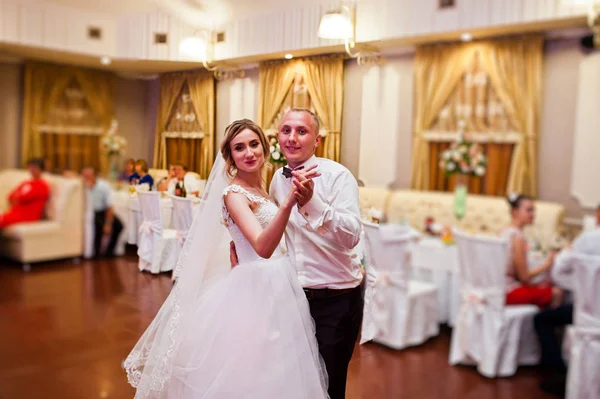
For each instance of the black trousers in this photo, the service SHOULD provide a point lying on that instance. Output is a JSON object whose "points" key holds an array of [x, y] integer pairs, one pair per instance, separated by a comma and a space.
{"points": [[546, 323], [337, 322], [117, 227]]}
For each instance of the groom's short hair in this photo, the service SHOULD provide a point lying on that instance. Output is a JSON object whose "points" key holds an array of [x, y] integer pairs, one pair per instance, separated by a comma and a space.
{"points": [[315, 118]]}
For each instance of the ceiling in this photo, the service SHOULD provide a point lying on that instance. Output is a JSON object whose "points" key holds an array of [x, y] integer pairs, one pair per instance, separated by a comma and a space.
{"points": [[201, 13]]}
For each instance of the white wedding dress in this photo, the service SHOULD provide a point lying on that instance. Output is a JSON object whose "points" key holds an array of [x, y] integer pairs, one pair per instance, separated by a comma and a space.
{"points": [[250, 336]]}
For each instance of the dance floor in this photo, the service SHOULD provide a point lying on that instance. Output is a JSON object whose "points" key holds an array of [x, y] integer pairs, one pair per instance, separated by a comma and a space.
{"points": [[66, 327]]}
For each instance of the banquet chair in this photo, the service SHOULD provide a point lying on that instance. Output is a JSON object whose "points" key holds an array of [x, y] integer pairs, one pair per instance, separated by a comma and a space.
{"points": [[398, 313], [157, 247], [584, 359], [181, 221], [494, 337]]}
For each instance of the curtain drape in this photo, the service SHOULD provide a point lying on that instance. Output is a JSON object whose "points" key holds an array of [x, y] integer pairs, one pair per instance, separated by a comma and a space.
{"points": [[44, 87], [438, 69], [514, 66], [202, 92], [275, 80], [325, 79], [196, 153]]}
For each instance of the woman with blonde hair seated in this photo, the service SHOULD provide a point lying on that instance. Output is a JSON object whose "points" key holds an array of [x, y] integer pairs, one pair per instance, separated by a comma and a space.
{"points": [[520, 289], [141, 168]]}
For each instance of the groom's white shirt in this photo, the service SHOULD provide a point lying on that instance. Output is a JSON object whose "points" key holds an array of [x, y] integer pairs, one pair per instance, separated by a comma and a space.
{"points": [[320, 236]]}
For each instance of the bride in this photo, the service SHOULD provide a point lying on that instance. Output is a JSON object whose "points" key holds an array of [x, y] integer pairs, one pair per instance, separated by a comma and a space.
{"points": [[234, 333]]}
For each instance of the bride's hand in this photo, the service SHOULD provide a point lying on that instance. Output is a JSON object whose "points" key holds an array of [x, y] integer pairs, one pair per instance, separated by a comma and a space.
{"points": [[301, 184], [303, 181]]}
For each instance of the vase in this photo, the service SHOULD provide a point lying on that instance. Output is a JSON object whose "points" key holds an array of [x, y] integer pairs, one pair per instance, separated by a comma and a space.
{"points": [[113, 167], [461, 189]]}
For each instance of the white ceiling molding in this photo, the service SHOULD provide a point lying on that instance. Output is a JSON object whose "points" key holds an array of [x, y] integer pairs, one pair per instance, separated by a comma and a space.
{"points": [[260, 29]]}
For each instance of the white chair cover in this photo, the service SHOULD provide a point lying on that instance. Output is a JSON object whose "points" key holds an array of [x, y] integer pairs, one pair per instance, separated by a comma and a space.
{"points": [[584, 364], [486, 333], [181, 221], [398, 312], [157, 247]]}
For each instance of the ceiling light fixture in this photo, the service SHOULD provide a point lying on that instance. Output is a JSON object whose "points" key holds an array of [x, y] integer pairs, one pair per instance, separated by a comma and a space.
{"points": [[105, 60], [288, 56], [466, 37], [339, 25]]}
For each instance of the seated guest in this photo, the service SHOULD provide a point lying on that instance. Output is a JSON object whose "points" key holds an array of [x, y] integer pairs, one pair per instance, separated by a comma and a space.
{"points": [[129, 172], [28, 200], [187, 180], [167, 184], [141, 169], [547, 321], [519, 288], [106, 223]]}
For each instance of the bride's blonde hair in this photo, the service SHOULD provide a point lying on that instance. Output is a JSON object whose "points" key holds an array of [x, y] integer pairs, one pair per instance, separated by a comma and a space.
{"points": [[235, 128]]}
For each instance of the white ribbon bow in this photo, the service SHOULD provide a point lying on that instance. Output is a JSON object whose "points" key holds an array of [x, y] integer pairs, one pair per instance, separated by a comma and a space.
{"points": [[583, 364], [181, 236], [145, 245], [381, 306], [475, 302]]}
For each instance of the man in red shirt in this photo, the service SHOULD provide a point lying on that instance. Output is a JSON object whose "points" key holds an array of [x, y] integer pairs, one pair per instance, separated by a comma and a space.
{"points": [[28, 200]]}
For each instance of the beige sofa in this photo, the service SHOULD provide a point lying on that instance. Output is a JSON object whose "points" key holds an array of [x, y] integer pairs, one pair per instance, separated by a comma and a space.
{"points": [[59, 235], [485, 215]]}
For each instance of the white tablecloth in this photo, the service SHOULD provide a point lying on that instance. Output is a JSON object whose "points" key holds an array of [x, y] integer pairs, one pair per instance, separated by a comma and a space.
{"points": [[437, 263]]}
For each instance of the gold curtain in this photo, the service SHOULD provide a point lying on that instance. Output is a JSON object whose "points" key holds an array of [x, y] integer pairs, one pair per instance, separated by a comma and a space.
{"points": [[202, 92], [275, 80], [515, 66], [325, 79], [45, 85], [439, 68], [196, 153]]}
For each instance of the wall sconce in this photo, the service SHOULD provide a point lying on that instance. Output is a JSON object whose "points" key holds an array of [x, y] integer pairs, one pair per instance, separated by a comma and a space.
{"points": [[593, 15], [200, 47], [339, 25]]}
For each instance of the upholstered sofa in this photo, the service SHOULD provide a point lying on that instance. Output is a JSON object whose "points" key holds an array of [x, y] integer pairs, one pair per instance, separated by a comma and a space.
{"points": [[485, 214], [59, 235]]}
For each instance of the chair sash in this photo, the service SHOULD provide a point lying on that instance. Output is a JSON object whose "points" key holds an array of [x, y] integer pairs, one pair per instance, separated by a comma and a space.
{"points": [[584, 361], [181, 236], [472, 320], [147, 230], [381, 287]]}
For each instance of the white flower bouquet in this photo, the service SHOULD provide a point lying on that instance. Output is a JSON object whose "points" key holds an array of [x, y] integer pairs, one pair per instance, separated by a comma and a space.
{"points": [[114, 145], [276, 154], [463, 157]]}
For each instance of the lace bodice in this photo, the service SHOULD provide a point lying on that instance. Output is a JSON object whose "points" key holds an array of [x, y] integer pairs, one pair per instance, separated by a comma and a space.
{"points": [[264, 211]]}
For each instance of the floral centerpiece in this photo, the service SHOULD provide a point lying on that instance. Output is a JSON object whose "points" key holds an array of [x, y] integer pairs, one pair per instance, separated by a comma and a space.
{"points": [[114, 147], [276, 157], [464, 158]]}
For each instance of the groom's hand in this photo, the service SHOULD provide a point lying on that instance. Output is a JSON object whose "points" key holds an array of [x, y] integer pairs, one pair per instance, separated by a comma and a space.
{"points": [[304, 184], [233, 259]]}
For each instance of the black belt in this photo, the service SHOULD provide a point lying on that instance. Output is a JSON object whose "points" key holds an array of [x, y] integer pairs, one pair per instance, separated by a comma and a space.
{"points": [[322, 293]]}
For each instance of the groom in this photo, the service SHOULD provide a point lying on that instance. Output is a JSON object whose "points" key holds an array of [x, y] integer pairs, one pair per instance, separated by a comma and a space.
{"points": [[320, 236]]}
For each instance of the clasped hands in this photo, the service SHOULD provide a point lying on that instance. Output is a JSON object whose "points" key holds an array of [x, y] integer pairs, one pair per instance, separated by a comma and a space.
{"points": [[303, 185]]}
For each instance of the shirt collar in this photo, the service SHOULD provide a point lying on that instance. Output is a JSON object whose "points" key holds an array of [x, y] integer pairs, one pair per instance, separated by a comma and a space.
{"points": [[308, 163]]}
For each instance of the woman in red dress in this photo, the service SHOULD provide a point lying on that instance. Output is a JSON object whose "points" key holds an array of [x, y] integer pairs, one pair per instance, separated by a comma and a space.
{"points": [[28, 200], [519, 287]]}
